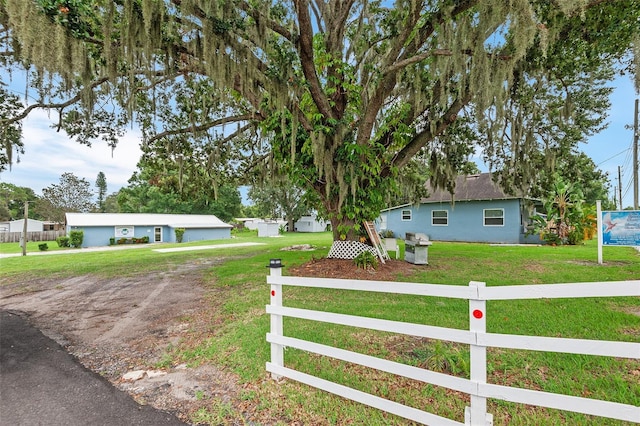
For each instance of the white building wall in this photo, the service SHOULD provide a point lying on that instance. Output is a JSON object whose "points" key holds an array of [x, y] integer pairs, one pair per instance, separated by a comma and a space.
{"points": [[32, 225]]}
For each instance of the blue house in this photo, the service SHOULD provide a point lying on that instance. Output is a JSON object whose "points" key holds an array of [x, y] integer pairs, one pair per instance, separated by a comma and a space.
{"points": [[100, 228], [479, 211]]}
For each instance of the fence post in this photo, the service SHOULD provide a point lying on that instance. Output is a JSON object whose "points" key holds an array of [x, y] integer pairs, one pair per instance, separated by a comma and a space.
{"points": [[277, 351], [477, 415]]}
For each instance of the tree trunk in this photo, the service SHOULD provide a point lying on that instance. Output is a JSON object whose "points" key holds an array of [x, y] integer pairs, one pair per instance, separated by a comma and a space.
{"points": [[338, 226]]}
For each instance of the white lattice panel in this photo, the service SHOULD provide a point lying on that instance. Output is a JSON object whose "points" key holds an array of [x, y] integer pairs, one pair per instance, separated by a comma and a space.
{"points": [[349, 250]]}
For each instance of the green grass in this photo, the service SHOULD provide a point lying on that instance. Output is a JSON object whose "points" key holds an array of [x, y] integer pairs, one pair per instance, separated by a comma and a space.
{"points": [[238, 282], [32, 246]]}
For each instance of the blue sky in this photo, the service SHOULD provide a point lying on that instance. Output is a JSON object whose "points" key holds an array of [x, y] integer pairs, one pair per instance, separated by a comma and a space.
{"points": [[49, 154]]}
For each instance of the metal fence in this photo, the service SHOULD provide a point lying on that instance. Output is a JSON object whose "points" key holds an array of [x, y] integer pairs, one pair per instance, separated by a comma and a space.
{"points": [[14, 237], [476, 337]]}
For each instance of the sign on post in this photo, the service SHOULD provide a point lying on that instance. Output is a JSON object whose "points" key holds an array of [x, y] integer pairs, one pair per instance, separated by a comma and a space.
{"points": [[620, 228]]}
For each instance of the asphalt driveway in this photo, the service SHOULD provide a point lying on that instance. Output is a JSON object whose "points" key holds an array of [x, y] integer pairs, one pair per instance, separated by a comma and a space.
{"points": [[41, 384]]}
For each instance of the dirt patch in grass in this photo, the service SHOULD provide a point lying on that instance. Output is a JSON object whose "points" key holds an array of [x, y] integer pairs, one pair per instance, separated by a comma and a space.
{"points": [[633, 310], [116, 326]]}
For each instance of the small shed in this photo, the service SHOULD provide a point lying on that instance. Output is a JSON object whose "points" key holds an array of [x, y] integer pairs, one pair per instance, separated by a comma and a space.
{"points": [[268, 229], [311, 223], [248, 222], [102, 228]]}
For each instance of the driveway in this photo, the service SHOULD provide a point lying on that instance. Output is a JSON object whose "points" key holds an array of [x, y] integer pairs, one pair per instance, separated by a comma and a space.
{"points": [[41, 384]]}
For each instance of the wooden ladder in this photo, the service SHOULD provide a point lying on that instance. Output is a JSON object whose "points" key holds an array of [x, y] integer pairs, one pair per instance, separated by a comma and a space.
{"points": [[375, 240]]}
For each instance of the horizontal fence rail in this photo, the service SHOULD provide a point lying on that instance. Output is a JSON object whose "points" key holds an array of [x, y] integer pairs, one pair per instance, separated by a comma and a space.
{"points": [[476, 337]]}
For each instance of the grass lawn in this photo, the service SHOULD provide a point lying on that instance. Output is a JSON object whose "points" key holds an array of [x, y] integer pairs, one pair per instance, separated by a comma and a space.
{"points": [[239, 343], [32, 246]]}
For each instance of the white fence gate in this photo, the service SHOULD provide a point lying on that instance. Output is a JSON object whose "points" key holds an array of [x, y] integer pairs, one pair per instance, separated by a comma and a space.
{"points": [[476, 337]]}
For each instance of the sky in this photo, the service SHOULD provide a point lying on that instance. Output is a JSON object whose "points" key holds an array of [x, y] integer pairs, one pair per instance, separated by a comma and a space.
{"points": [[49, 154]]}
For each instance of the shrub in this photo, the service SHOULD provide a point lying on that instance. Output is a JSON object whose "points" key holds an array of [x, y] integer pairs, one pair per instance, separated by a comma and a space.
{"points": [[567, 220], [76, 238], [62, 241], [366, 260], [43, 247], [179, 234]]}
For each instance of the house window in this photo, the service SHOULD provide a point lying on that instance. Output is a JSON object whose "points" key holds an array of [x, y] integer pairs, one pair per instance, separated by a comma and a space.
{"points": [[493, 217], [406, 215], [440, 218]]}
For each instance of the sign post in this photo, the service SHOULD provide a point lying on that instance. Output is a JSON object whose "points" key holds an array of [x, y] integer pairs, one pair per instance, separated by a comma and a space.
{"points": [[23, 238], [599, 218]]}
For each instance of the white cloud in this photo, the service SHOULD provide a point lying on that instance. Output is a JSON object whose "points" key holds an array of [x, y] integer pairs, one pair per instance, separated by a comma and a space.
{"points": [[49, 154]]}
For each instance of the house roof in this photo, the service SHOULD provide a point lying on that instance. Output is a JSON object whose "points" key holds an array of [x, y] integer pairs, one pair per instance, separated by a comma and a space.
{"points": [[469, 188], [145, 219]]}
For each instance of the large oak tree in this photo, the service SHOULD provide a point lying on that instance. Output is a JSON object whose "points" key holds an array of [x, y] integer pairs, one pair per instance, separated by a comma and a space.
{"points": [[339, 95]]}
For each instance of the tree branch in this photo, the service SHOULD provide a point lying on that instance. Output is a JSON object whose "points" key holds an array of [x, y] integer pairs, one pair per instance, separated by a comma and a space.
{"points": [[60, 105], [421, 139], [273, 25], [305, 48], [200, 128]]}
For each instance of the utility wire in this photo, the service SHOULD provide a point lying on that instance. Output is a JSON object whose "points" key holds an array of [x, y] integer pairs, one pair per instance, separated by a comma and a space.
{"points": [[611, 158]]}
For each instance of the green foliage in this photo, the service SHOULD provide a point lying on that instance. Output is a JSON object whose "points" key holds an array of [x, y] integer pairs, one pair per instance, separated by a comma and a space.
{"points": [[12, 199], [179, 234], [76, 238], [279, 198], [153, 191], [10, 135], [576, 168], [101, 184], [72, 194], [111, 203], [566, 221], [43, 247], [366, 260], [340, 105], [63, 242], [244, 231], [217, 413], [72, 14]]}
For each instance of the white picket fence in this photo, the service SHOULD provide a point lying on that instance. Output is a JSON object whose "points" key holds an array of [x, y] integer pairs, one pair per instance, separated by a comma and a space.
{"points": [[476, 337]]}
